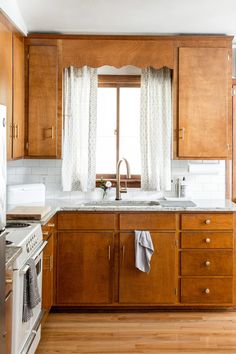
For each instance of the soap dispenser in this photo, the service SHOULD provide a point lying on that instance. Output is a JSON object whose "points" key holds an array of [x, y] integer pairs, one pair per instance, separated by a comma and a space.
{"points": [[183, 188]]}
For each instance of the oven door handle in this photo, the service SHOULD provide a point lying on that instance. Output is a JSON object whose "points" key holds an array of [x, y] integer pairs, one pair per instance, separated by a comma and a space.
{"points": [[39, 251]]}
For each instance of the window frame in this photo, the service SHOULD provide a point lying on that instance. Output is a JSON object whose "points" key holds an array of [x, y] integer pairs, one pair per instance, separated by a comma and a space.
{"points": [[119, 81]]}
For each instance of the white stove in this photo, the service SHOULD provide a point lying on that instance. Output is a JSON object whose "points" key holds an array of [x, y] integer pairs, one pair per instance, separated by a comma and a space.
{"points": [[25, 335], [27, 236]]}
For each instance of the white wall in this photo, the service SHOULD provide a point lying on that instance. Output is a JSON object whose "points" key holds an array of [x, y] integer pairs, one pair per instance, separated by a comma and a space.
{"points": [[210, 185], [11, 10]]}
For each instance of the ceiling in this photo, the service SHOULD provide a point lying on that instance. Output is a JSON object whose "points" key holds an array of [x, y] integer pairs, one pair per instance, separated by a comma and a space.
{"points": [[129, 16]]}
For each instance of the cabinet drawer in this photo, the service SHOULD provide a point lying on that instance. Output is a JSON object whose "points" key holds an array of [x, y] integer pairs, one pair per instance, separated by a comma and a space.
{"points": [[136, 221], [206, 262], [206, 290], [85, 221], [207, 221], [207, 240]]}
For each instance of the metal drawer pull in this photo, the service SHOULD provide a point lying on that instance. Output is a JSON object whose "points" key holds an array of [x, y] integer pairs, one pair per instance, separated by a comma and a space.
{"points": [[109, 252], [181, 133], [51, 225], [207, 240], [8, 296], [207, 221], [207, 291], [9, 281], [123, 253], [207, 263], [46, 233], [17, 132]]}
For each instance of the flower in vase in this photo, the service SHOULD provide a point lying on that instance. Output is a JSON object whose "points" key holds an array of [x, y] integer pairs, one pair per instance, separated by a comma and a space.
{"points": [[105, 186]]}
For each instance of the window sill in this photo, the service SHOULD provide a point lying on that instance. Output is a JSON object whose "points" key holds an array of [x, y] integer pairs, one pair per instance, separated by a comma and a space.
{"points": [[133, 182]]}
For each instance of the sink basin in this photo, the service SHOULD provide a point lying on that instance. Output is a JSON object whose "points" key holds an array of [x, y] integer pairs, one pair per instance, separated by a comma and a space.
{"points": [[177, 204], [120, 203]]}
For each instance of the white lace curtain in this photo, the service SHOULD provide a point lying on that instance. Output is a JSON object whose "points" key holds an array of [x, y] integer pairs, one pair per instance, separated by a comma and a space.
{"points": [[79, 134], [155, 129]]}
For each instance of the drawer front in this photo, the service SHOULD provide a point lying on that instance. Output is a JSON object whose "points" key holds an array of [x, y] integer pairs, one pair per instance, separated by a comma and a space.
{"points": [[207, 240], [86, 221], [207, 221], [152, 221], [206, 263], [207, 291]]}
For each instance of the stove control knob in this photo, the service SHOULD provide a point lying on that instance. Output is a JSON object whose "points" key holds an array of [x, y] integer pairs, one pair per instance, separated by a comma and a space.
{"points": [[27, 248]]}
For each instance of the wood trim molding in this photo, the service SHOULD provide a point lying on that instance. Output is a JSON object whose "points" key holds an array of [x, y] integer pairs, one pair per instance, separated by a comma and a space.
{"points": [[183, 37], [119, 80], [117, 52]]}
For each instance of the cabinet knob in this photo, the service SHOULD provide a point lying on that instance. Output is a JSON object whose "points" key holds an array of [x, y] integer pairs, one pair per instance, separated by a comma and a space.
{"points": [[207, 221], [207, 263], [207, 240], [207, 291]]}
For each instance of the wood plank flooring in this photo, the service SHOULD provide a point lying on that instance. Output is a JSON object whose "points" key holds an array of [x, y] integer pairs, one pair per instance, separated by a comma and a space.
{"points": [[156, 332]]}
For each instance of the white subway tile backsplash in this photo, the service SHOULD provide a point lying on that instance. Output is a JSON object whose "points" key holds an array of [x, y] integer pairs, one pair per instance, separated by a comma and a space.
{"points": [[40, 171], [22, 171], [31, 163], [54, 171], [47, 163], [200, 186]]}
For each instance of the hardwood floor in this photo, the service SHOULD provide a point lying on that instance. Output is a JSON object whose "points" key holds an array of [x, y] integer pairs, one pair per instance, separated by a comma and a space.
{"points": [[159, 332]]}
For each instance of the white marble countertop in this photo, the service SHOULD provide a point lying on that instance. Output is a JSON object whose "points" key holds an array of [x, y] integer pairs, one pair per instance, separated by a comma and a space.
{"points": [[66, 204]]}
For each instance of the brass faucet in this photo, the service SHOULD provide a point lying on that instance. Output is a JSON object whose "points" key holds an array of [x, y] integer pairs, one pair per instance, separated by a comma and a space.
{"points": [[120, 190]]}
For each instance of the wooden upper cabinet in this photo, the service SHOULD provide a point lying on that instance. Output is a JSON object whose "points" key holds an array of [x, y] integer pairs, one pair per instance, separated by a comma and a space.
{"points": [[159, 285], [18, 97], [42, 101], [6, 80], [203, 102]]}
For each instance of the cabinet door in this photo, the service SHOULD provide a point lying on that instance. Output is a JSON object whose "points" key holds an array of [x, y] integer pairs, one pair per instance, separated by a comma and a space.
{"points": [[42, 111], [47, 297], [203, 102], [156, 287], [18, 97], [84, 268], [6, 81]]}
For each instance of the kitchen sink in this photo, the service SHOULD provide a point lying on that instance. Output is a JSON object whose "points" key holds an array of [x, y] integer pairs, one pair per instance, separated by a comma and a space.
{"points": [[139, 203], [118, 203], [177, 204]]}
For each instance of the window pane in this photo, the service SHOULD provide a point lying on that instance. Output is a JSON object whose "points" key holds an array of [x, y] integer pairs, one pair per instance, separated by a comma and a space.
{"points": [[129, 128], [106, 125]]}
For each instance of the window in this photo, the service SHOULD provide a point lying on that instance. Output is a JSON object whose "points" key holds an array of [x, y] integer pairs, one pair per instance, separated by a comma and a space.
{"points": [[118, 126]]}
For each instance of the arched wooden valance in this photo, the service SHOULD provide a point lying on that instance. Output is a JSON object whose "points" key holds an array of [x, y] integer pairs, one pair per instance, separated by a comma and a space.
{"points": [[117, 52]]}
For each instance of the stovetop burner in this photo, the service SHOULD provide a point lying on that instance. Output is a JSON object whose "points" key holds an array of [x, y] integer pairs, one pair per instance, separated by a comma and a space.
{"points": [[16, 225]]}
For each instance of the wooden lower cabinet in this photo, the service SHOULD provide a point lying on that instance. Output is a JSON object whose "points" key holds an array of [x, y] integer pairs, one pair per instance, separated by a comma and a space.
{"points": [[156, 287], [84, 268], [192, 264], [48, 260], [49, 265]]}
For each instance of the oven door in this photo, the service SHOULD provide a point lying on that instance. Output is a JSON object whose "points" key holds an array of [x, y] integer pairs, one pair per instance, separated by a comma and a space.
{"points": [[24, 331]]}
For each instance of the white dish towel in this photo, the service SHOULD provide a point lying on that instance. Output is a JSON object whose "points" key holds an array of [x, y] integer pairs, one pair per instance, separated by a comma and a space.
{"points": [[143, 250]]}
